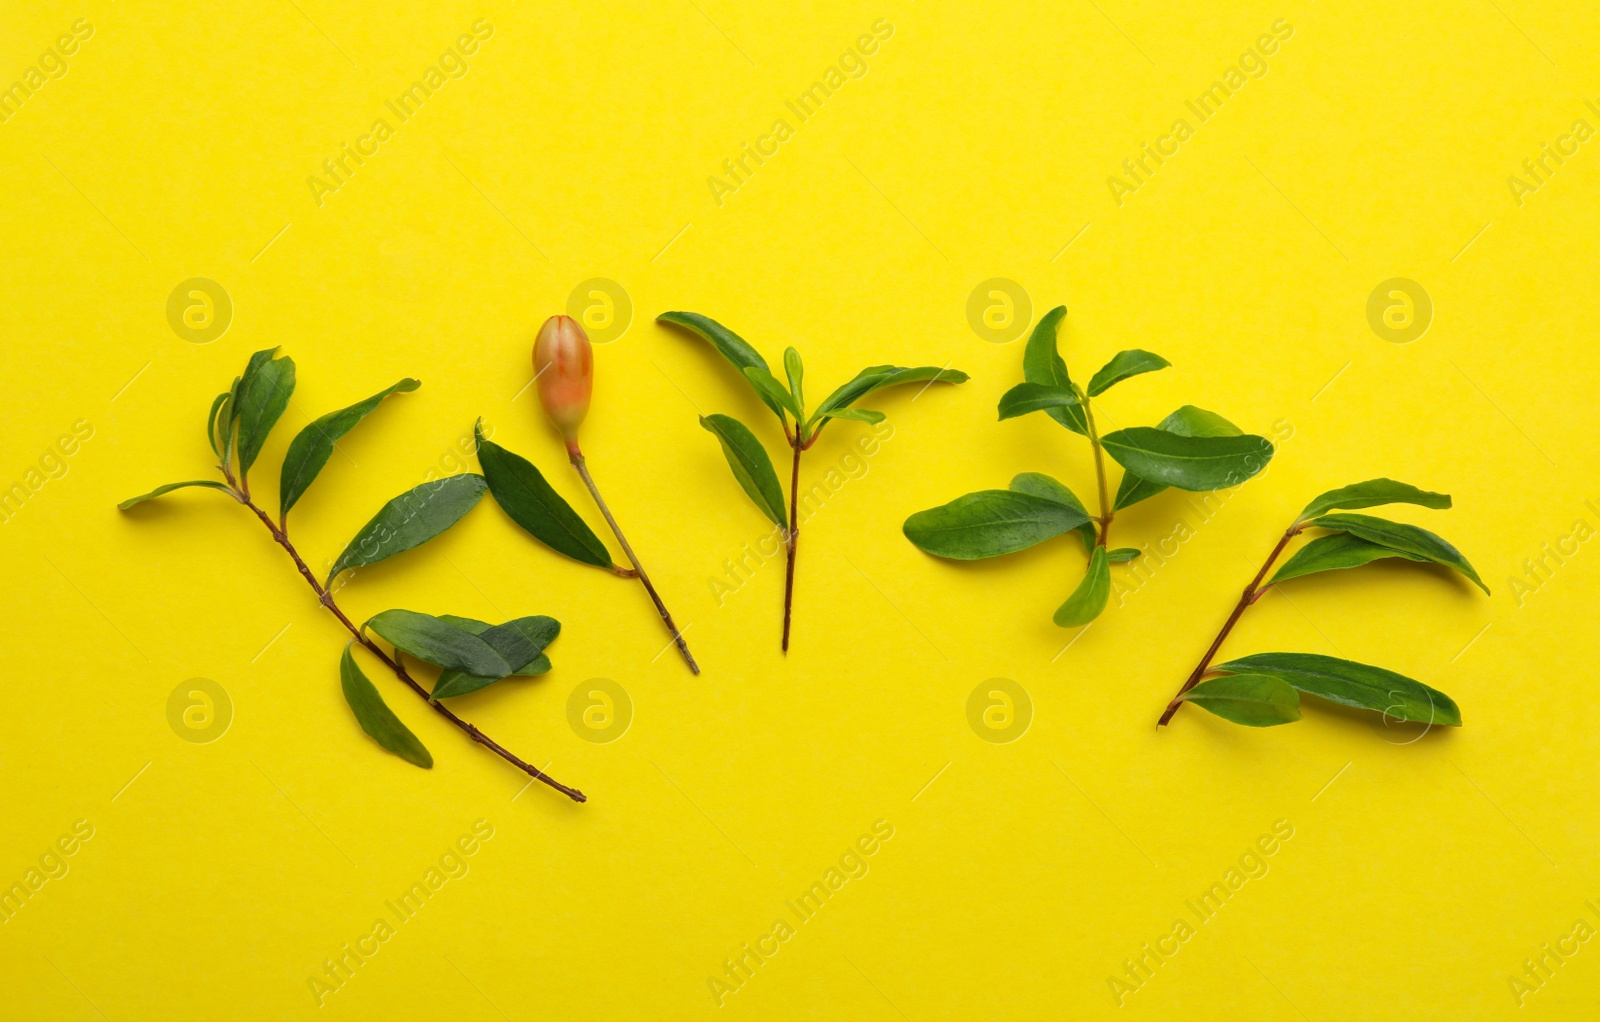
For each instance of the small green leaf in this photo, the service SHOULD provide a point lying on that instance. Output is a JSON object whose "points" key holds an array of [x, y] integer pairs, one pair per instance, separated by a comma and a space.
{"points": [[1331, 553], [529, 500], [263, 395], [1123, 554], [772, 392], [1040, 485], [1035, 397], [733, 347], [1189, 463], [1042, 363], [1372, 493], [1186, 421], [1407, 539], [1349, 683], [874, 378], [169, 487], [212, 435], [312, 446], [1123, 365], [411, 519], [858, 414], [436, 641], [375, 717], [795, 370], [1254, 700], [521, 641], [990, 523], [1089, 599], [751, 465]]}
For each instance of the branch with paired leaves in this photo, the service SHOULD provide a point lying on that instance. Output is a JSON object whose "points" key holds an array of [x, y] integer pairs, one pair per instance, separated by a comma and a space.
{"points": [[471, 654], [748, 459], [1264, 689], [1191, 449]]}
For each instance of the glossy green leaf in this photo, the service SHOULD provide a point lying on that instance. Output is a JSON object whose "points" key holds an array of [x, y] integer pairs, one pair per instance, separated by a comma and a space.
{"points": [[750, 464], [874, 378], [1186, 421], [1123, 554], [169, 487], [1254, 700], [521, 642], [795, 370], [1349, 683], [213, 436], [411, 519], [1037, 397], [858, 414], [263, 395], [1089, 599], [375, 717], [312, 446], [1042, 363], [990, 523], [1408, 539], [771, 391], [733, 347], [1188, 463], [1332, 553], [528, 499], [1372, 493], [1124, 364], [437, 641]]}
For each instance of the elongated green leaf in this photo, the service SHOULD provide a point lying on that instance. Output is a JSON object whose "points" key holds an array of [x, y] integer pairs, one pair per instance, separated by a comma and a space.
{"points": [[312, 446], [989, 523], [1036, 397], [1123, 365], [1332, 553], [1189, 463], [1186, 421], [1089, 599], [529, 500], [411, 519], [733, 347], [1349, 683], [1123, 553], [436, 641], [750, 465], [212, 434], [795, 370], [375, 717], [263, 395], [771, 391], [1407, 539], [1042, 363], [521, 642], [1372, 493], [858, 414], [1254, 700], [169, 487], [874, 378]]}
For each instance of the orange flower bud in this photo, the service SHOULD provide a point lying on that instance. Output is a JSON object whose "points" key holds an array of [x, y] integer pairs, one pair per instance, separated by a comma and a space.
{"points": [[564, 364]]}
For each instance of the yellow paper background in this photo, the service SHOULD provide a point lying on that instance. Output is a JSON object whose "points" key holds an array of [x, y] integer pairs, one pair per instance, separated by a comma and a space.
{"points": [[978, 143]]}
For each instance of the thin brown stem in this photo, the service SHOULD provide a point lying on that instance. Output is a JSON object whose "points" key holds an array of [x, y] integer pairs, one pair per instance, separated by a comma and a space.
{"points": [[1252, 593], [1104, 521], [326, 599], [582, 466], [792, 539]]}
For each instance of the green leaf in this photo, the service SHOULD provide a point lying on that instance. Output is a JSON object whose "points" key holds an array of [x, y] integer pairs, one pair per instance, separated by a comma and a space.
{"points": [[1408, 539], [1123, 553], [1089, 599], [211, 422], [1254, 700], [750, 465], [733, 347], [1040, 485], [312, 446], [1035, 397], [169, 487], [263, 395], [795, 370], [1331, 553], [858, 414], [1372, 493], [990, 523], [1043, 364], [529, 500], [375, 717], [436, 641], [772, 392], [1189, 463], [1123, 365], [1352, 684], [521, 641], [874, 378], [411, 519], [1186, 421]]}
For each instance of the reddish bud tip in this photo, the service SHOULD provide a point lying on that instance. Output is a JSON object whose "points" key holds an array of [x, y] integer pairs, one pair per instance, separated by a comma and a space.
{"points": [[564, 365]]}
